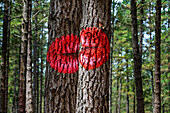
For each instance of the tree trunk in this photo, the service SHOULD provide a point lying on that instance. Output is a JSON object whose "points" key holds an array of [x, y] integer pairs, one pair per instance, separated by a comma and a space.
{"points": [[93, 84], [8, 46], [111, 58], [3, 60], [35, 58], [127, 83], [120, 88], [153, 94], [38, 56], [29, 98], [61, 88], [137, 59], [41, 75], [14, 109], [23, 57], [157, 107]]}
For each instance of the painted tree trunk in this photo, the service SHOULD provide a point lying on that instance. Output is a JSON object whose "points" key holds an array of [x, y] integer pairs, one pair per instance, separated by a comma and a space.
{"points": [[29, 98], [157, 107], [23, 57], [3, 59], [93, 84], [61, 87], [137, 59]]}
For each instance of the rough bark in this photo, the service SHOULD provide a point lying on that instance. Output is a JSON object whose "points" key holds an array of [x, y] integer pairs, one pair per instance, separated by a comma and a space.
{"points": [[137, 59], [64, 19], [93, 85], [29, 98], [23, 56], [3, 59], [157, 77]]}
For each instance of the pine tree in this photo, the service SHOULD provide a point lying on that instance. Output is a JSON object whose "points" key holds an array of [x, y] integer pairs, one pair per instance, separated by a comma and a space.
{"points": [[93, 84]]}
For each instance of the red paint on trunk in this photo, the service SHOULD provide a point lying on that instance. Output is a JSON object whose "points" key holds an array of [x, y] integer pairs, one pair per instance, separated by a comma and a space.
{"points": [[62, 54], [96, 48]]}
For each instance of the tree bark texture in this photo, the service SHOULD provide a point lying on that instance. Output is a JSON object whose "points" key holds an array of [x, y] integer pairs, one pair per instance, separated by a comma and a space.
{"points": [[29, 98], [23, 57], [157, 107], [3, 59], [35, 57], [137, 59], [93, 84], [61, 88]]}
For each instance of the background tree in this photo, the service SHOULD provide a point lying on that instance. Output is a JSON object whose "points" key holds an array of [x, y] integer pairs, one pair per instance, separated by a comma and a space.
{"points": [[3, 98], [29, 98], [137, 59], [157, 97]]}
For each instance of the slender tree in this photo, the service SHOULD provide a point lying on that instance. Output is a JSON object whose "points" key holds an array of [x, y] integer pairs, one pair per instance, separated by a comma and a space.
{"points": [[8, 54], [35, 59], [157, 90], [3, 60], [93, 84], [111, 59], [61, 88], [127, 81], [41, 75], [29, 98], [23, 56], [137, 59]]}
